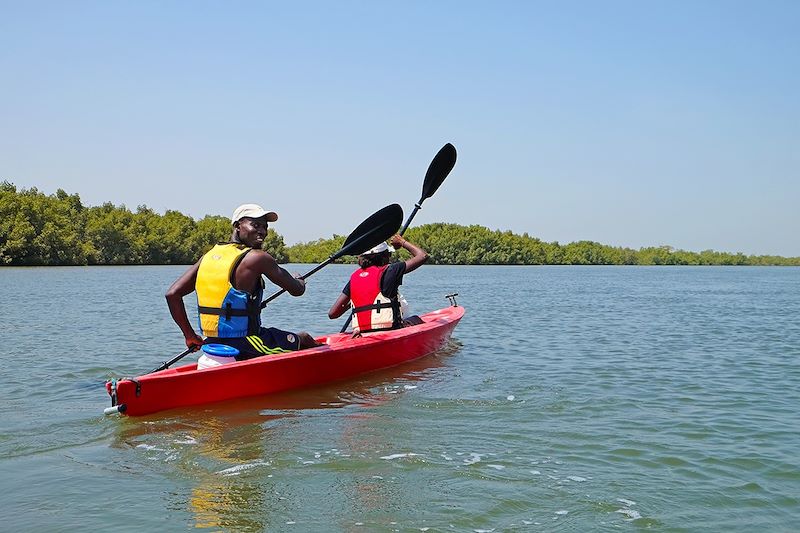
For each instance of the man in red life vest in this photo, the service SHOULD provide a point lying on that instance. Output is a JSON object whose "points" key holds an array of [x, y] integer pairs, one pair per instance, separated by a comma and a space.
{"points": [[227, 280], [373, 288]]}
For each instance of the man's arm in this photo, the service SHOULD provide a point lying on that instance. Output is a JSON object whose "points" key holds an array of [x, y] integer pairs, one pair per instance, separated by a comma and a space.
{"points": [[257, 263], [418, 255], [341, 305], [183, 286]]}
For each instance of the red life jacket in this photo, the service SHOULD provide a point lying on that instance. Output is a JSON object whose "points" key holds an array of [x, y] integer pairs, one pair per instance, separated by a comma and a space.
{"points": [[372, 311]]}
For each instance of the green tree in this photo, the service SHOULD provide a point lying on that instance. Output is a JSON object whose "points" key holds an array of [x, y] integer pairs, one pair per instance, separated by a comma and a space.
{"points": [[57, 229]]}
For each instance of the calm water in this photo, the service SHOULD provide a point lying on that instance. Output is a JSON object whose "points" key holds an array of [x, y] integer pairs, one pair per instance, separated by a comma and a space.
{"points": [[570, 399]]}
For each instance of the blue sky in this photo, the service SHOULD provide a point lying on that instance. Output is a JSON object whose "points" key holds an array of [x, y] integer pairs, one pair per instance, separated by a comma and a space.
{"points": [[628, 123]]}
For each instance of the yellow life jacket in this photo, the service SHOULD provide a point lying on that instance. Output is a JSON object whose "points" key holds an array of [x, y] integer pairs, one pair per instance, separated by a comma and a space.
{"points": [[225, 311]]}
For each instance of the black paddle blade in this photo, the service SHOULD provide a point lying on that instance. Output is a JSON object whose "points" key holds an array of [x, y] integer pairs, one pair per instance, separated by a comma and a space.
{"points": [[438, 170], [377, 228]]}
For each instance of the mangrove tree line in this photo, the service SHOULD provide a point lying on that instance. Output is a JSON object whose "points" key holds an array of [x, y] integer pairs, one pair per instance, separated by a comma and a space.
{"points": [[57, 229], [453, 244]]}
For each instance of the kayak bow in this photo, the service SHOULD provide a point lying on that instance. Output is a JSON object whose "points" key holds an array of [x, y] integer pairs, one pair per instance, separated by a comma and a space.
{"points": [[341, 357]]}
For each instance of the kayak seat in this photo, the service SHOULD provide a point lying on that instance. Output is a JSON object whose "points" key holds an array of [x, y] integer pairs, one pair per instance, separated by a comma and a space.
{"points": [[413, 320]]}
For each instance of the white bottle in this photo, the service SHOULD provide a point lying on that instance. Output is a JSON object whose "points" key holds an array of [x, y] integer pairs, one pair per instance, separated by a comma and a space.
{"points": [[215, 355]]}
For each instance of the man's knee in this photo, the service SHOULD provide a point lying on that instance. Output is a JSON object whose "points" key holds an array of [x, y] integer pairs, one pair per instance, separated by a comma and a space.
{"points": [[306, 340], [413, 320]]}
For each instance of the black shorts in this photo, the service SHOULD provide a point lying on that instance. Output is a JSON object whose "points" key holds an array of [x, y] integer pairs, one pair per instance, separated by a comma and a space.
{"points": [[269, 341]]}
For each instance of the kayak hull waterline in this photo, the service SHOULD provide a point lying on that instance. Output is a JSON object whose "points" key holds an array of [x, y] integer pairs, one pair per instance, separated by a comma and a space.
{"points": [[340, 358]]}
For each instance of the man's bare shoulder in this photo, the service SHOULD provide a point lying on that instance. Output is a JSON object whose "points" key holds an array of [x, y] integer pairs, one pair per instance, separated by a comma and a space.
{"points": [[258, 257]]}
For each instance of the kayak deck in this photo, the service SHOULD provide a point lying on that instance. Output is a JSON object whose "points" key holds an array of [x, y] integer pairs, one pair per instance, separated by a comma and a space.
{"points": [[339, 358]]}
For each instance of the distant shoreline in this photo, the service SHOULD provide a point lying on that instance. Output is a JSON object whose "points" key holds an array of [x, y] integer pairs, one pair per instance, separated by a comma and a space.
{"points": [[187, 265], [58, 230]]}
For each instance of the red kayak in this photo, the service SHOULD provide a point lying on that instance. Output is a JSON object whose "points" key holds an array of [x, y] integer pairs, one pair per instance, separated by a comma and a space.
{"points": [[340, 358]]}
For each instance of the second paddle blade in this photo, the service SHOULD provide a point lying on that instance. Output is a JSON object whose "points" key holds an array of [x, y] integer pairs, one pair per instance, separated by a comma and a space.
{"points": [[377, 228], [440, 167]]}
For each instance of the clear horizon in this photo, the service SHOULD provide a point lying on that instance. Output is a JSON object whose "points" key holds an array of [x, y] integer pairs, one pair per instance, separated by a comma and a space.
{"points": [[623, 123]]}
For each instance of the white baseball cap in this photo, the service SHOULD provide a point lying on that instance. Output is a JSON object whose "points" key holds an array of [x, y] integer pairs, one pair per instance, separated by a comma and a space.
{"points": [[252, 211], [382, 247]]}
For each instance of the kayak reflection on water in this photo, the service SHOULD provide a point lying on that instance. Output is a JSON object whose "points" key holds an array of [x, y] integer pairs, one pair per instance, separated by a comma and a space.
{"points": [[241, 458]]}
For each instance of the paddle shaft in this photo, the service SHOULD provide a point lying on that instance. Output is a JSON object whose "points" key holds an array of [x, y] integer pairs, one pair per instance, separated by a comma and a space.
{"points": [[376, 228], [303, 277], [175, 359], [417, 207], [441, 165]]}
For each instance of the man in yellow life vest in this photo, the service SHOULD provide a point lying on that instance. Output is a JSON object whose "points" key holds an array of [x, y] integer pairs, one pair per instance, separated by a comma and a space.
{"points": [[229, 289]]}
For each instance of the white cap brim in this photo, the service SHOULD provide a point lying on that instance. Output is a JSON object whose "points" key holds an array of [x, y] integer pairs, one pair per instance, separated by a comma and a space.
{"points": [[382, 247], [252, 211]]}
